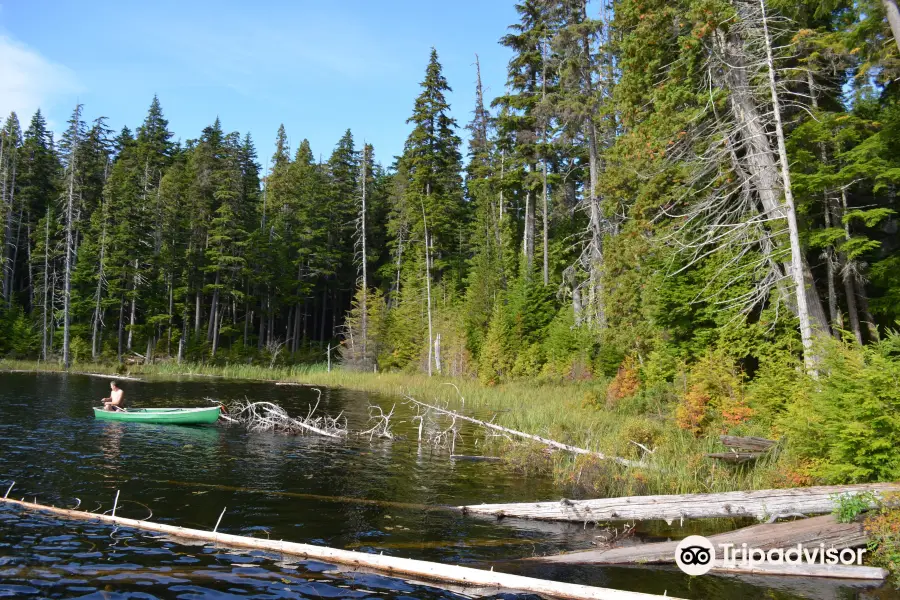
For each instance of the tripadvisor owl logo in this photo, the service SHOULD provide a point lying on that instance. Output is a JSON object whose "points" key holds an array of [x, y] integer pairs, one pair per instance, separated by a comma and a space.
{"points": [[695, 555]]}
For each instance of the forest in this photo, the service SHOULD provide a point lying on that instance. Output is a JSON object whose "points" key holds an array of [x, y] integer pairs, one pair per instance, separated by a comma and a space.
{"points": [[691, 201]]}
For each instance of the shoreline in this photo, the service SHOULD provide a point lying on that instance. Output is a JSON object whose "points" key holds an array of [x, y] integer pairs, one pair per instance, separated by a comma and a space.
{"points": [[560, 410]]}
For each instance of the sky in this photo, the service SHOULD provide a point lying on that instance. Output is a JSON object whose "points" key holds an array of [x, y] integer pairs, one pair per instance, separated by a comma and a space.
{"points": [[317, 67]]}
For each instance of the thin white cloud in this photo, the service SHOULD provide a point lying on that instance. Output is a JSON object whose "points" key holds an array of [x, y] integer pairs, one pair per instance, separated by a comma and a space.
{"points": [[29, 81]]}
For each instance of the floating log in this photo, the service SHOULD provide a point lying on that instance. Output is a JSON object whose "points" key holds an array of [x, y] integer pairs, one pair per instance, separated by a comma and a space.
{"points": [[814, 534], [808, 570], [293, 384], [759, 504], [536, 438], [390, 565], [104, 376], [749, 444]]}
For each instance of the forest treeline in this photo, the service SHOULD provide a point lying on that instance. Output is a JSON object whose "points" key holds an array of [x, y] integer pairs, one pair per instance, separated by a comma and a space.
{"points": [[661, 181]]}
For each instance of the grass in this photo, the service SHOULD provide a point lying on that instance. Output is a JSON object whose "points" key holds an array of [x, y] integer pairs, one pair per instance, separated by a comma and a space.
{"points": [[568, 412]]}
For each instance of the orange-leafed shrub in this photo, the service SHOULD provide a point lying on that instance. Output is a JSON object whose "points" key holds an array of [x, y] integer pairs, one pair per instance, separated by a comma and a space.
{"points": [[714, 394], [625, 384]]}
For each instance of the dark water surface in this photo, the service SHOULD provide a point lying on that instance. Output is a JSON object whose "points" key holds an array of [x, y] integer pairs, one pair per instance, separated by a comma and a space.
{"points": [[373, 496]]}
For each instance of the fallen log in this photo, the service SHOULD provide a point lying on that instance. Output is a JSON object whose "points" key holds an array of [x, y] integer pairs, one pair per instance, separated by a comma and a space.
{"points": [[809, 532], [736, 457], [389, 565], [807, 570], [749, 444], [536, 438], [100, 375], [471, 458], [104, 376], [759, 504]]}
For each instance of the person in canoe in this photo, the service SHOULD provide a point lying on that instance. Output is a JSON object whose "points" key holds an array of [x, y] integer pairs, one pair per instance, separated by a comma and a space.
{"points": [[116, 400]]}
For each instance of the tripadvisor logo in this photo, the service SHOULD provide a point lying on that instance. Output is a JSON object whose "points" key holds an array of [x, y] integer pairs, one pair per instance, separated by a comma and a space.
{"points": [[696, 555]]}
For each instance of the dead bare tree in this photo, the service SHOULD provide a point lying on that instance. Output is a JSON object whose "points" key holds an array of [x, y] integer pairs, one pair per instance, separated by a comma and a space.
{"points": [[74, 138], [739, 201]]}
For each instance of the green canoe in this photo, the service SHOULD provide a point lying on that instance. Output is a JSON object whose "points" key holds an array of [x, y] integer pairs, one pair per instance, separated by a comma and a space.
{"points": [[174, 416]]}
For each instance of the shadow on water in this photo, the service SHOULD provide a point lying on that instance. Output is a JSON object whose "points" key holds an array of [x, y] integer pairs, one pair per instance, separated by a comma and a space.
{"points": [[381, 496]]}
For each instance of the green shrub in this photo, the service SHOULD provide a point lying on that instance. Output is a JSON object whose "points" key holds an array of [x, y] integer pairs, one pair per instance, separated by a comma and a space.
{"points": [[848, 421], [849, 506]]}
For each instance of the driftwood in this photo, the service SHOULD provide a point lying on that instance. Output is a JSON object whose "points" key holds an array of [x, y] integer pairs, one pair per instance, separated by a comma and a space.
{"points": [[809, 532], [759, 504], [390, 565], [812, 533], [749, 444], [545, 441], [736, 457], [266, 416], [104, 376], [808, 570], [743, 449]]}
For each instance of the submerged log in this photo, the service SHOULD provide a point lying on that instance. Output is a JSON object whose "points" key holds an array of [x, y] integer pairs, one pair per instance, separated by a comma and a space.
{"points": [[471, 458], [808, 570], [390, 565], [759, 504], [816, 533], [536, 438]]}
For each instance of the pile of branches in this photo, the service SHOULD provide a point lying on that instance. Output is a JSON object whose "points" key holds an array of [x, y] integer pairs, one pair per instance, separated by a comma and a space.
{"points": [[266, 416]]}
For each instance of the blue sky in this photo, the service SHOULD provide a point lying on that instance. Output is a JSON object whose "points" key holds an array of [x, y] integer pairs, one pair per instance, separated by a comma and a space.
{"points": [[318, 67]]}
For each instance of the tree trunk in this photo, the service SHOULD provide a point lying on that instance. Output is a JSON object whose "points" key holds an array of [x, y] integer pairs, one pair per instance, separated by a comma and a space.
{"points": [[213, 309], [763, 167], [70, 242], [428, 282], [15, 259], [98, 317], [133, 317], [183, 340], [7, 291], [44, 343], [596, 303], [893, 17], [863, 300], [322, 317], [528, 240], [364, 311], [797, 266], [395, 292]]}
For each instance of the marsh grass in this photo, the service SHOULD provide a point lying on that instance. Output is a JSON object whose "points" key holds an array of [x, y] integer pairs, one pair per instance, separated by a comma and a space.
{"points": [[564, 411]]}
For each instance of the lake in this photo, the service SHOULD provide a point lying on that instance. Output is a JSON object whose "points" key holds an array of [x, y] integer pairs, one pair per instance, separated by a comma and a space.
{"points": [[374, 495]]}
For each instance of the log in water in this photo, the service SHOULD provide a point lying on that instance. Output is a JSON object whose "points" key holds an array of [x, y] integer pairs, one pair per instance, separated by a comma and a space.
{"points": [[386, 564], [759, 504]]}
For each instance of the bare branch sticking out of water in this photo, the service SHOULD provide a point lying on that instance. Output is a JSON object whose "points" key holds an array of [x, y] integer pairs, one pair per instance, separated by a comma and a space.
{"points": [[266, 416], [429, 408], [382, 423]]}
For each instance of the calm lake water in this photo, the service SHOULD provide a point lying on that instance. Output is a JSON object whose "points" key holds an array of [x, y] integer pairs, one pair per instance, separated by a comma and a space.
{"points": [[372, 496]]}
